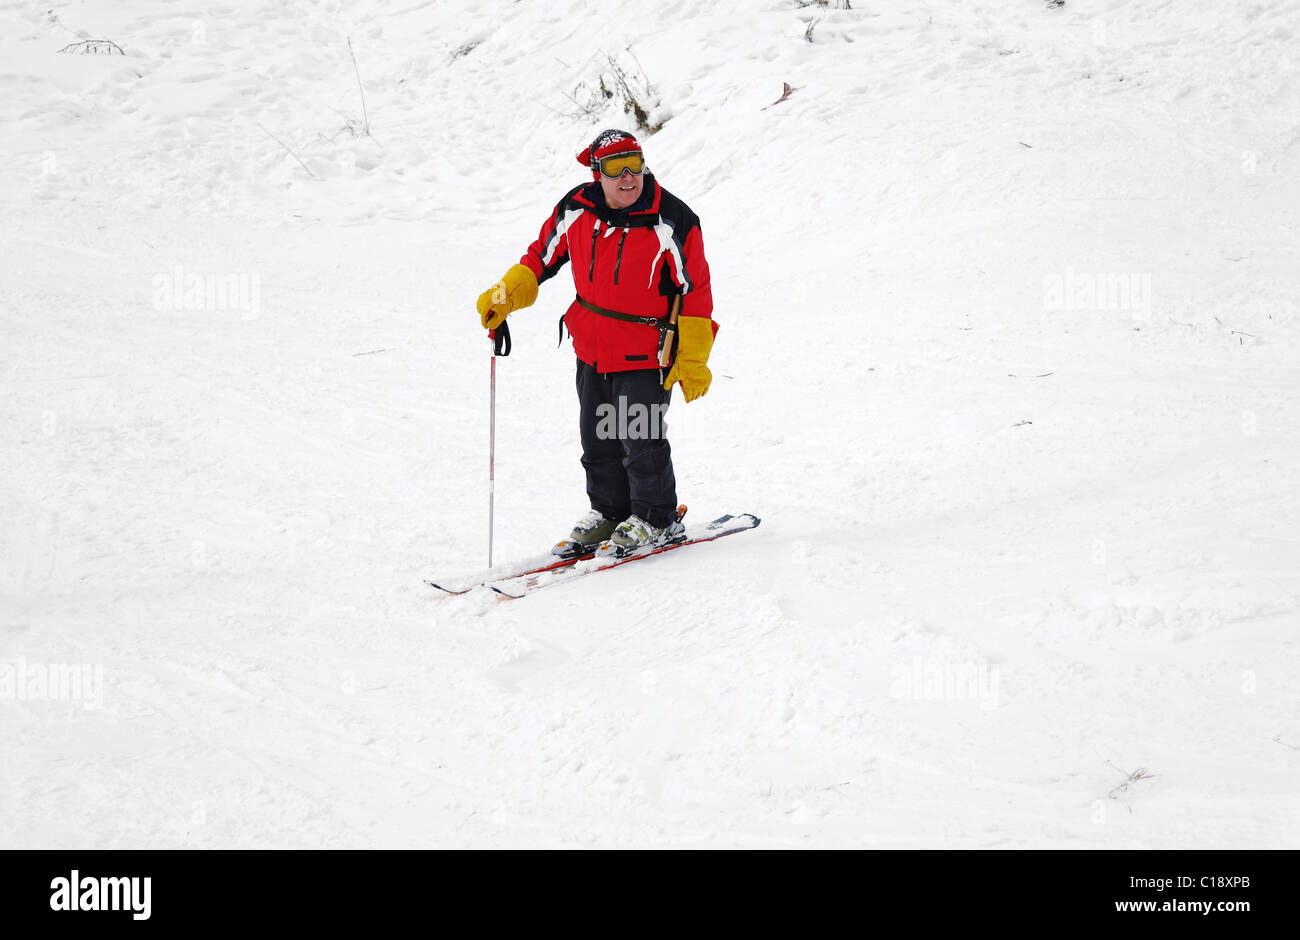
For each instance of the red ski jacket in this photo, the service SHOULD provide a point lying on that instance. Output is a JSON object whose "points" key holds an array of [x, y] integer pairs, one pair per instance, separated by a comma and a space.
{"points": [[633, 261]]}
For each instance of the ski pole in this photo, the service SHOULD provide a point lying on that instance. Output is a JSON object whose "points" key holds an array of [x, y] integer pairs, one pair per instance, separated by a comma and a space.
{"points": [[500, 347]]}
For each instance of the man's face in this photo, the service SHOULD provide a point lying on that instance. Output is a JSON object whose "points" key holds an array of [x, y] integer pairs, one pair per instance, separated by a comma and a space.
{"points": [[622, 192]]}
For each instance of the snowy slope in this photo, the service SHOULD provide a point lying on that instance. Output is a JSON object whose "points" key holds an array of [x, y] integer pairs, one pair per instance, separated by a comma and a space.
{"points": [[1008, 299]]}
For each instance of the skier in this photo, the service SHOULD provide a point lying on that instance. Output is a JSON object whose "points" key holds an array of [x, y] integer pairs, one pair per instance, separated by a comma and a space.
{"points": [[644, 305]]}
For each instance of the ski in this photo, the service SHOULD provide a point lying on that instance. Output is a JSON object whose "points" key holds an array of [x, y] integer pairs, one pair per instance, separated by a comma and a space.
{"points": [[564, 554], [539, 564], [516, 586]]}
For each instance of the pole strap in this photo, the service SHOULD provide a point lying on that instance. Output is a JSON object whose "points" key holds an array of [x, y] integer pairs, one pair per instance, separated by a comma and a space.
{"points": [[500, 339]]}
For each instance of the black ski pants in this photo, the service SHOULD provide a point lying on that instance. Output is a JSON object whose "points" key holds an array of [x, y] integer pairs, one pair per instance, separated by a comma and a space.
{"points": [[625, 450]]}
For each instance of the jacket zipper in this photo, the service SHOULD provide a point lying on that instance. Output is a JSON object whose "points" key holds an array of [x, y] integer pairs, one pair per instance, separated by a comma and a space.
{"points": [[618, 265], [591, 268]]}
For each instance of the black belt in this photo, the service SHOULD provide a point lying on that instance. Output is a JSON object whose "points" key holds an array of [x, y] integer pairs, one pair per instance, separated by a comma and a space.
{"points": [[615, 315]]}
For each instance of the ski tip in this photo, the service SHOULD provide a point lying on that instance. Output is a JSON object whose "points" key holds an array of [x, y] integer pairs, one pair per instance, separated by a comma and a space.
{"points": [[505, 595], [745, 520], [454, 592]]}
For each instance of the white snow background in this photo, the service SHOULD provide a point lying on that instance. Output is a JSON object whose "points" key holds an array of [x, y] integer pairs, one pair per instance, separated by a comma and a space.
{"points": [[1007, 366]]}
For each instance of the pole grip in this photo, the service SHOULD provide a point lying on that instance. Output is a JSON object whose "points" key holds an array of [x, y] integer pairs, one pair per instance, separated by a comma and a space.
{"points": [[668, 334]]}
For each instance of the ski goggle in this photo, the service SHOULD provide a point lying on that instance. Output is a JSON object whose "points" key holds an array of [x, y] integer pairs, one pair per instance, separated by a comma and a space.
{"points": [[614, 166]]}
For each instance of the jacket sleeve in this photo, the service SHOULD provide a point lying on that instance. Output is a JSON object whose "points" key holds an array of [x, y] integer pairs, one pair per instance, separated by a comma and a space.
{"points": [[550, 251], [693, 278]]}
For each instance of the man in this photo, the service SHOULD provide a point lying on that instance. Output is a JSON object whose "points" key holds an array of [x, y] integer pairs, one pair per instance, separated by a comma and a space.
{"points": [[644, 305]]}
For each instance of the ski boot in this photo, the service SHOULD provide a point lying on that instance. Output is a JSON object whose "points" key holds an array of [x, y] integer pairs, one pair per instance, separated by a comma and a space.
{"points": [[634, 534], [590, 531]]}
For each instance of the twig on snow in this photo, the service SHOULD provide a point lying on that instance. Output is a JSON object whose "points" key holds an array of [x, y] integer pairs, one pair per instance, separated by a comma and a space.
{"points": [[365, 116], [291, 153]]}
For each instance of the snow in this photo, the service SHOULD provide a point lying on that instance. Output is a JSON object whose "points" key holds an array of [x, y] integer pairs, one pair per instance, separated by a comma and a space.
{"points": [[1008, 314]]}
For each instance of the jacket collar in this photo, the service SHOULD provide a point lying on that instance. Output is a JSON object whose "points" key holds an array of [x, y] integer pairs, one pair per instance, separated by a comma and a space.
{"points": [[642, 212]]}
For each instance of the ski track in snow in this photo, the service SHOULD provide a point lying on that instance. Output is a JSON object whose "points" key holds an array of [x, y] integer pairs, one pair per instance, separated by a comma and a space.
{"points": [[1017, 544]]}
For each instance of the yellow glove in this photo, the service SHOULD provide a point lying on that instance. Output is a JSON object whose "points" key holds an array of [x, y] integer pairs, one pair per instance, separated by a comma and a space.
{"points": [[694, 341], [518, 289]]}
